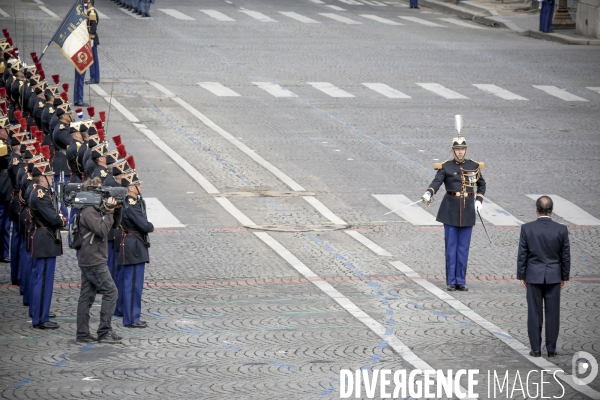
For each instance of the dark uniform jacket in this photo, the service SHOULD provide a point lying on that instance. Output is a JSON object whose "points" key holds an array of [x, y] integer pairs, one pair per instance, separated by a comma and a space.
{"points": [[61, 139], [456, 177], [75, 153], [47, 114], [38, 109], [544, 252], [46, 240], [92, 25], [5, 182], [106, 177], [17, 164], [134, 243]]}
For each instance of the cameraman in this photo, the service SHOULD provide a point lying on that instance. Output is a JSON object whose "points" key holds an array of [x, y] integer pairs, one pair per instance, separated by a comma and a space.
{"points": [[95, 222]]}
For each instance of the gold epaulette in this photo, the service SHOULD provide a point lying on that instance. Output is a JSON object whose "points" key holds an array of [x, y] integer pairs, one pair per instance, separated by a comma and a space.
{"points": [[481, 164], [438, 165], [3, 149], [92, 15]]}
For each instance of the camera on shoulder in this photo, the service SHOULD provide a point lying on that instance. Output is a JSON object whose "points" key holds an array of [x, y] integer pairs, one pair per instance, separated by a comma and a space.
{"points": [[74, 195]]}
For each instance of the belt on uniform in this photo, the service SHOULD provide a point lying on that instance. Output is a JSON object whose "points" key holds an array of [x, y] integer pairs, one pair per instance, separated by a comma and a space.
{"points": [[459, 194]]}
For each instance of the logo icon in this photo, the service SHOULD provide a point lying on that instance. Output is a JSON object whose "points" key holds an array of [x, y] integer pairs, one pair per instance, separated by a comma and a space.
{"points": [[583, 363]]}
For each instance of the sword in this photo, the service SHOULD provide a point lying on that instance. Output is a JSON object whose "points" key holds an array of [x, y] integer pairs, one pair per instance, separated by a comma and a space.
{"points": [[482, 224], [408, 205]]}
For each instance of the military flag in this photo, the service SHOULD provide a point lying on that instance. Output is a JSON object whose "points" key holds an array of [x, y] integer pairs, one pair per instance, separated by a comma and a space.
{"points": [[72, 38]]}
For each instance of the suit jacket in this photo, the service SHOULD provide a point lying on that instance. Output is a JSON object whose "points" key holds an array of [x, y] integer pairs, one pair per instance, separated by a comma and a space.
{"points": [[544, 252]]}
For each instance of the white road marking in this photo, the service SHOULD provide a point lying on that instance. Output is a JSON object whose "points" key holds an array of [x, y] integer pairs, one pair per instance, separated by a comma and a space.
{"points": [[498, 91], [413, 214], [404, 351], [40, 2], [226, 135], [560, 93], [374, 3], [336, 8], [259, 16], [218, 89], [379, 19], [102, 15], [326, 212], [497, 215], [442, 91], [318, 1], [569, 211], [422, 21], [274, 89], [114, 102], [4, 13], [299, 17], [341, 19], [462, 23], [160, 216], [219, 16], [352, 2], [233, 210], [330, 89], [387, 91], [176, 14], [595, 89], [493, 329], [50, 13], [368, 243]]}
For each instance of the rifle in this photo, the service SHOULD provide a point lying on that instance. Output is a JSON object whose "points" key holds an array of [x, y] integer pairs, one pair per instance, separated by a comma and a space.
{"points": [[57, 198]]}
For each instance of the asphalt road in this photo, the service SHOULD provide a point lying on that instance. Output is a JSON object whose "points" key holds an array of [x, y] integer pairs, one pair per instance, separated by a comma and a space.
{"points": [[271, 130]]}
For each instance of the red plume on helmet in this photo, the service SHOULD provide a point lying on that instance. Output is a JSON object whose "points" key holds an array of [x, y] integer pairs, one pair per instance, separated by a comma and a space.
{"points": [[42, 74], [131, 162], [18, 115], [33, 55], [98, 125], [121, 150], [117, 140], [23, 123], [56, 78], [65, 87], [101, 135], [39, 136], [102, 116], [9, 40], [46, 152], [3, 107], [37, 147], [64, 96], [91, 111], [3, 92], [6, 34]]}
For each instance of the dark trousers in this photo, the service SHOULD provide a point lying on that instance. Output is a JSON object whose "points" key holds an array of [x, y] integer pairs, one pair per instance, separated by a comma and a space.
{"points": [[4, 230], [119, 282], [25, 272], [42, 286], [133, 284], [78, 88], [112, 261], [15, 253], [546, 16], [414, 3], [95, 68], [543, 299], [458, 240], [95, 280]]}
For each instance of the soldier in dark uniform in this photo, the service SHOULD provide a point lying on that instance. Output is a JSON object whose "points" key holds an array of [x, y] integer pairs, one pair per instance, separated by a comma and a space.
{"points": [[5, 191], [48, 112], [100, 156], [61, 138], [46, 245], [76, 150], [92, 25], [40, 104], [15, 165], [460, 176], [134, 249]]}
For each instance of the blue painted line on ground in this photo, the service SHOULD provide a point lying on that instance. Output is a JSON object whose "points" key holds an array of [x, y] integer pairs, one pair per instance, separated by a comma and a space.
{"points": [[328, 248], [383, 344], [472, 325], [87, 347], [389, 331], [327, 391], [389, 312], [360, 275], [584, 258], [501, 211], [375, 358], [347, 264], [385, 302], [415, 304], [188, 330], [23, 382], [156, 314], [379, 293], [232, 348], [365, 368], [373, 284], [502, 334], [339, 256], [59, 364], [281, 365], [393, 293], [439, 314]]}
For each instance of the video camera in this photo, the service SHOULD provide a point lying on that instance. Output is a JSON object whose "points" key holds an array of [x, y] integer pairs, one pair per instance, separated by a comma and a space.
{"points": [[93, 196]]}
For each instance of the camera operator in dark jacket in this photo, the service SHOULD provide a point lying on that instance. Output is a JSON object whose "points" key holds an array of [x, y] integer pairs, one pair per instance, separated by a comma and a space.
{"points": [[94, 226]]}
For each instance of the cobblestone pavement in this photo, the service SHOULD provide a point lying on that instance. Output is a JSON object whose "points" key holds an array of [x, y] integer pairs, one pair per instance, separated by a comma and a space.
{"points": [[230, 313]]}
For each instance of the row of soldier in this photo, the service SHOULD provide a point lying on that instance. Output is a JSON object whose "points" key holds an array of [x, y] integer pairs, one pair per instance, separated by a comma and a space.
{"points": [[41, 142]]}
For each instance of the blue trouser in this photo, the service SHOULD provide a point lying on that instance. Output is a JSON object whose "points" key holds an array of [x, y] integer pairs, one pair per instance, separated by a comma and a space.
{"points": [[133, 283], [42, 285], [25, 268], [458, 239], [118, 278], [15, 253], [4, 230], [135, 3], [144, 6], [546, 16], [78, 87], [95, 68], [414, 3]]}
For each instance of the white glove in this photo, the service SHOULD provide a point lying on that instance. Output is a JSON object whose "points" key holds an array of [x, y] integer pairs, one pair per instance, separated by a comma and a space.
{"points": [[92, 42], [426, 197], [478, 206]]}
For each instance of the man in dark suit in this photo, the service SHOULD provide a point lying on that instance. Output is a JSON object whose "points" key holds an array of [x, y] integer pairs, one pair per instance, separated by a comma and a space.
{"points": [[543, 267]]}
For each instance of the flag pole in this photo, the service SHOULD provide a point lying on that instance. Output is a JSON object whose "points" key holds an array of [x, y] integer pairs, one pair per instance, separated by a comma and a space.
{"points": [[60, 27]]}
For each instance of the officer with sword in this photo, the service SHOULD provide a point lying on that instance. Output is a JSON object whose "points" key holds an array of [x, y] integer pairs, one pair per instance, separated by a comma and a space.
{"points": [[460, 176]]}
